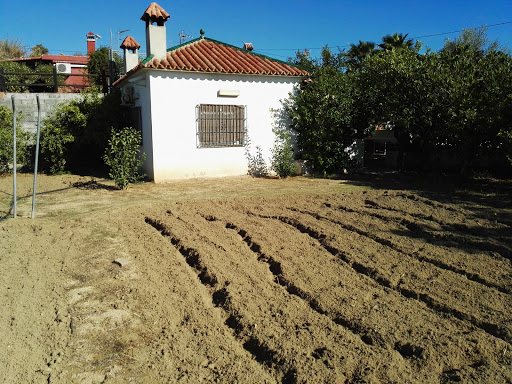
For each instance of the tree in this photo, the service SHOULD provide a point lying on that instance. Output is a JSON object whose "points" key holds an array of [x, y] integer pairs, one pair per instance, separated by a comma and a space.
{"points": [[99, 64], [304, 60], [395, 88], [11, 49], [356, 55], [396, 40], [479, 84], [456, 102], [475, 38], [321, 113], [38, 51]]}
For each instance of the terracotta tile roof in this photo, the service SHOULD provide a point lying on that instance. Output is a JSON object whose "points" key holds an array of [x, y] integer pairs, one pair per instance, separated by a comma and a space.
{"points": [[130, 43], [155, 13], [208, 55]]}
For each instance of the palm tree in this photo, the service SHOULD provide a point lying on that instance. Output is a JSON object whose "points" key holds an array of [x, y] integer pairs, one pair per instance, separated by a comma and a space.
{"points": [[358, 53], [396, 40]]}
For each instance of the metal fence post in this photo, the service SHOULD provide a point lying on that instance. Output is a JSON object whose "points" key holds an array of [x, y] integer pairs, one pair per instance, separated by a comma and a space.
{"points": [[14, 204], [36, 157], [55, 80]]}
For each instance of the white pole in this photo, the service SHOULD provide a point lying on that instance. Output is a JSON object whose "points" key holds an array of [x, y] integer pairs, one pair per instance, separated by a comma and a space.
{"points": [[37, 158], [14, 156]]}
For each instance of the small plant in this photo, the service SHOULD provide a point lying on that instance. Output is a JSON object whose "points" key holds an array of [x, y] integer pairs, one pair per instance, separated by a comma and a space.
{"points": [[282, 154], [123, 157], [256, 165]]}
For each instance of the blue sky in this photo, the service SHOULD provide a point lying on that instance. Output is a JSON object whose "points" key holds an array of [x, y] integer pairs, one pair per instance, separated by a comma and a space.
{"points": [[276, 28]]}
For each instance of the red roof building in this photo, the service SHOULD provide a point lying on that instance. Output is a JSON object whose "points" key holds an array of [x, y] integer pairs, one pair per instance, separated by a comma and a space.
{"points": [[197, 104], [66, 65]]}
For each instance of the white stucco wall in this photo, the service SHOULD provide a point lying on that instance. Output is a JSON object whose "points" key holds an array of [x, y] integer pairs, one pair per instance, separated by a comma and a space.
{"points": [[168, 100]]}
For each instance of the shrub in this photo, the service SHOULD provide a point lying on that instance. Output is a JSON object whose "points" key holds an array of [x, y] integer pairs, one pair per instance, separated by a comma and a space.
{"points": [[25, 81], [282, 154], [256, 165], [56, 136], [123, 157], [6, 138], [75, 136]]}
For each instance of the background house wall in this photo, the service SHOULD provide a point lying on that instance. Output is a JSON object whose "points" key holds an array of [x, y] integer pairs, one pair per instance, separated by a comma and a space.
{"points": [[172, 101]]}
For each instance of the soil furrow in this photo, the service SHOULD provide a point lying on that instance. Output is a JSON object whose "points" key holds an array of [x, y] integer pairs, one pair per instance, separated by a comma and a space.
{"points": [[388, 243], [275, 268], [488, 327], [220, 298], [445, 234], [466, 262], [211, 225], [359, 313]]}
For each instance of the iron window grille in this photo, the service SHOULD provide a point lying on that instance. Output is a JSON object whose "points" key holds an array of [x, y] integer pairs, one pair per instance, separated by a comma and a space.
{"points": [[221, 125]]}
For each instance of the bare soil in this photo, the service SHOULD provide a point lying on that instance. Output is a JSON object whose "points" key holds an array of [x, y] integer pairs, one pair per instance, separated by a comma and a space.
{"points": [[383, 279]]}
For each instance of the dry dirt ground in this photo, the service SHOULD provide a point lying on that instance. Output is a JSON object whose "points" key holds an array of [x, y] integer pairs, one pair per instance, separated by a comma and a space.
{"points": [[242, 280]]}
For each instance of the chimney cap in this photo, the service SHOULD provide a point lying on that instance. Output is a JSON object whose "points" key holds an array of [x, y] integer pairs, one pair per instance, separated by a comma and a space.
{"points": [[155, 13], [248, 46], [130, 43]]}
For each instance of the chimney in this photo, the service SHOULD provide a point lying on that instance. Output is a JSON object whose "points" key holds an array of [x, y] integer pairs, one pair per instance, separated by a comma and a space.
{"points": [[91, 43], [156, 40], [131, 53]]}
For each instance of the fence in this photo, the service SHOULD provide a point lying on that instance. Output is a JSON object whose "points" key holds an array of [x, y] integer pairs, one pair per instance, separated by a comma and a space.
{"points": [[54, 85]]}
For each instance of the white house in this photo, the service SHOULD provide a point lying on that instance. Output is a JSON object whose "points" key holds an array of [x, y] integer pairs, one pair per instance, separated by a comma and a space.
{"points": [[197, 103]]}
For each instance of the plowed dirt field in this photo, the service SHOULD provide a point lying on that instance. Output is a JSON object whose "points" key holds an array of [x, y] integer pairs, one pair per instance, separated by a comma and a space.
{"points": [[258, 281]]}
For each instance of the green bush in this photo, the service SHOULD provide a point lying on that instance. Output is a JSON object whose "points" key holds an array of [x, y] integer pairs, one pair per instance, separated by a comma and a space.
{"points": [[23, 139], [75, 136], [123, 157], [55, 137], [282, 154]]}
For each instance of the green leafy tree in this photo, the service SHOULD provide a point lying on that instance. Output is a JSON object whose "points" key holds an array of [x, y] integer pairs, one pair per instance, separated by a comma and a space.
{"points": [[123, 156], [304, 60], [396, 88], [99, 64], [457, 101], [475, 39], [478, 83], [39, 50], [322, 113], [23, 139]]}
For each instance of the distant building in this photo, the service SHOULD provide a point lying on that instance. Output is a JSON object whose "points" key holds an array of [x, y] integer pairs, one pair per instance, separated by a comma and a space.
{"points": [[66, 65]]}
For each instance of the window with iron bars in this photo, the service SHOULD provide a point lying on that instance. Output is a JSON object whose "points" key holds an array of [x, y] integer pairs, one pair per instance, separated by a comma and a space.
{"points": [[220, 125]]}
